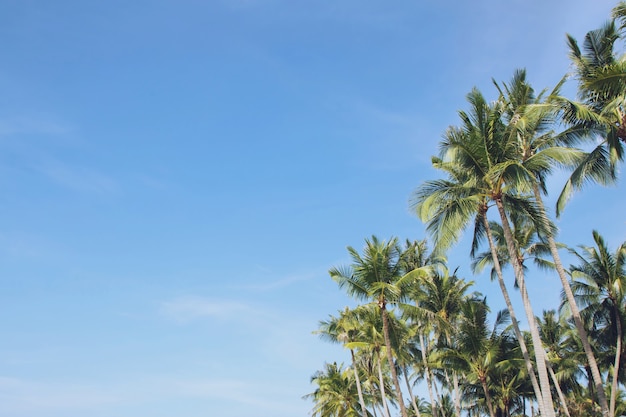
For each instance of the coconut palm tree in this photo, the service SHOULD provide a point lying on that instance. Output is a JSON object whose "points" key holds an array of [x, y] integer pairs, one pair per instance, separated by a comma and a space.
{"points": [[477, 350], [438, 299], [371, 353], [377, 276], [479, 154], [599, 284], [564, 355], [344, 329], [335, 395], [601, 76], [461, 200], [538, 150], [416, 257]]}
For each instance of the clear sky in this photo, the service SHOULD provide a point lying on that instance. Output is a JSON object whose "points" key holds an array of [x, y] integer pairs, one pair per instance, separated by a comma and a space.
{"points": [[177, 177]]}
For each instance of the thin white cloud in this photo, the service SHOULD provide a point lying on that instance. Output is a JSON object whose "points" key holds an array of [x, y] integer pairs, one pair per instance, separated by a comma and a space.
{"points": [[30, 395], [278, 283], [19, 395], [252, 393], [31, 125], [189, 308], [280, 336], [152, 182], [401, 130], [81, 179], [30, 247]]}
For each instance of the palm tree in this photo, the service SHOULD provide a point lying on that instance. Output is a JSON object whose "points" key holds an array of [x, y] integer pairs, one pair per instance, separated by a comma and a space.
{"points": [[344, 329], [564, 354], [335, 394], [477, 351], [407, 356], [523, 234], [601, 76], [438, 299], [371, 353], [537, 150], [377, 276], [479, 153], [599, 282], [415, 257], [448, 191]]}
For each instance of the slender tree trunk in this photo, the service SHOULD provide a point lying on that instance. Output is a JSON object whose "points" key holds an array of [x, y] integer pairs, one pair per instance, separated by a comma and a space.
{"points": [[455, 385], [558, 390], [438, 395], [618, 354], [433, 404], [447, 377], [547, 405], [410, 390], [483, 382], [394, 374], [358, 384], [382, 387], [569, 295], [509, 305], [457, 395]]}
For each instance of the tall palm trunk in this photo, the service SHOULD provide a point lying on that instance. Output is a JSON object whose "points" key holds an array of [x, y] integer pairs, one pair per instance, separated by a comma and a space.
{"points": [[457, 395], [381, 379], [394, 374], [558, 390], [547, 404], [483, 382], [580, 327], [410, 391], [618, 354], [358, 384], [433, 403], [455, 384], [509, 305]]}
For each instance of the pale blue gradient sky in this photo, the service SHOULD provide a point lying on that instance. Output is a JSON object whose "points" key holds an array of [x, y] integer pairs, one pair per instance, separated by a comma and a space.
{"points": [[176, 179]]}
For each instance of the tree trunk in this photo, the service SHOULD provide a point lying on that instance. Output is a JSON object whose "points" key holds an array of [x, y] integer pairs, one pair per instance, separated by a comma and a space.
{"points": [[408, 387], [382, 387], [394, 374], [558, 390], [438, 395], [580, 327], [455, 384], [457, 395], [483, 382], [547, 405], [509, 305], [433, 406], [358, 384], [618, 354]]}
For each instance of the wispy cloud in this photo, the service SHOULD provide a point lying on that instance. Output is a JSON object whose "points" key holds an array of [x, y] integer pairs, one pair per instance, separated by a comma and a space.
{"points": [[81, 179], [30, 395], [32, 125], [189, 308], [152, 182], [269, 285], [30, 246], [282, 336], [394, 135], [232, 390]]}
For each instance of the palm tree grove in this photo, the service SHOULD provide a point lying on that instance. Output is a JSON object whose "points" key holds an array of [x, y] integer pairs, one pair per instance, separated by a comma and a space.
{"points": [[420, 340]]}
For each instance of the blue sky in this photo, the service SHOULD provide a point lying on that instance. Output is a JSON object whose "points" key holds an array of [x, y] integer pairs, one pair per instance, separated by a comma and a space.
{"points": [[176, 179]]}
